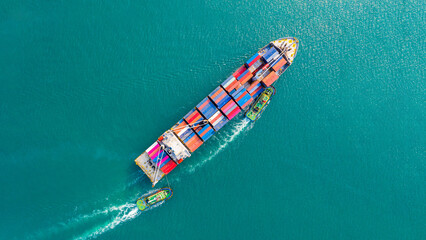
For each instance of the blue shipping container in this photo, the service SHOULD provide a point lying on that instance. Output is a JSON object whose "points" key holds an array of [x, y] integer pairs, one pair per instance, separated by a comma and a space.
{"points": [[237, 92], [189, 137], [243, 100], [183, 135], [252, 58], [227, 81], [214, 91], [164, 163], [240, 93], [190, 112], [206, 131], [243, 74], [224, 101], [258, 93], [160, 154], [208, 109], [270, 54]]}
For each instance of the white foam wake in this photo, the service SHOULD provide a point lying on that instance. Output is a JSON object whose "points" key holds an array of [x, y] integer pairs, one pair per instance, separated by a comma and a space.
{"points": [[129, 211], [73, 222], [239, 127], [126, 212]]}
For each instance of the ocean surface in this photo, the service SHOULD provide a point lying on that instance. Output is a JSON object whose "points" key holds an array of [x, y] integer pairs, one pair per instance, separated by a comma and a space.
{"points": [[87, 86]]}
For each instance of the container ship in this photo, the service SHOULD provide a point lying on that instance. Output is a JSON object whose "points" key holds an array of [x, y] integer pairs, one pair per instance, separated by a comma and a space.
{"points": [[230, 98]]}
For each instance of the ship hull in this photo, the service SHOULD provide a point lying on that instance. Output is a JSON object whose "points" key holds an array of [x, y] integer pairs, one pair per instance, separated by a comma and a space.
{"points": [[230, 98]]}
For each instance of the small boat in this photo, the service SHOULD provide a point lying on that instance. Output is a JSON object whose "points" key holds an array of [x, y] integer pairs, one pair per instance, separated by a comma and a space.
{"points": [[163, 194], [260, 104]]}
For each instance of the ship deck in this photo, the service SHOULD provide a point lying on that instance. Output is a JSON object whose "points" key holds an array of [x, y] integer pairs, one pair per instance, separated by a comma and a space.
{"points": [[144, 162]]}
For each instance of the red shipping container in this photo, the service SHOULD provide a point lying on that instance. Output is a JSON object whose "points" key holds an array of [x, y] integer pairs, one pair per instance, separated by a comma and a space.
{"points": [[232, 86], [154, 153], [246, 78], [239, 71], [247, 103], [268, 80], [254, 60], [227, 106], [221, 97], [203, 105], [241, 96], [168, 167], [152, 148], [194, 118], [260, 88], [218, 95], [234, 113], [252, 85], [194, 143], [218, 91]]}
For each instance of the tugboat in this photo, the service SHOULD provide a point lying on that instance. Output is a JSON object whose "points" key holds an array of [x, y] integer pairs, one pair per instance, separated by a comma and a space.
{"points": [[262, 101], [163, 194]]}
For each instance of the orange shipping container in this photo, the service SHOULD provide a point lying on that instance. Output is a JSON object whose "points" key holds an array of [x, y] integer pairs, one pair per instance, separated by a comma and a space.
{"points": [[239, 71], [246, 77], [235, 84], [252, 85], [268, 80], [194, 117], [194, 143], [279, 64]]}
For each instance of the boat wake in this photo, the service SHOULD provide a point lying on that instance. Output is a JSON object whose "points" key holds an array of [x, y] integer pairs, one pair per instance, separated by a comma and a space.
{"points": [[104, 219], [110, 217], [126, 212], [227, 139]]}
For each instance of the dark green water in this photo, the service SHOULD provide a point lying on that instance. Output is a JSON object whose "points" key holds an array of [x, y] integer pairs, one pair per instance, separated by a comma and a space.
{"points": [[86, 86]]}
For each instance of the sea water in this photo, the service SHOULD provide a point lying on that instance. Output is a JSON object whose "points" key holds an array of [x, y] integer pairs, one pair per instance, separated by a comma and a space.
{"points": [[87, 86]]}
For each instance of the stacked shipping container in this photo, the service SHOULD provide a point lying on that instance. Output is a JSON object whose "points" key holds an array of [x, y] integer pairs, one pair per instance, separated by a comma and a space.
{"points": [[220, 97], [235, 94], [230, 84], [245, 76], [168, 167], [207, 108], [205, 132], [158, 155], [279, 63], [218, 120], [231, 109]]}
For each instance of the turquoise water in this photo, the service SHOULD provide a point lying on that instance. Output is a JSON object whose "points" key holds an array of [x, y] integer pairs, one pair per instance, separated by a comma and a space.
{"points": [[87, 86]]}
